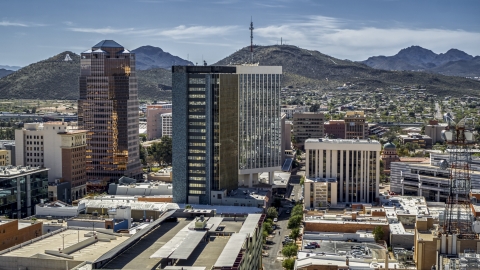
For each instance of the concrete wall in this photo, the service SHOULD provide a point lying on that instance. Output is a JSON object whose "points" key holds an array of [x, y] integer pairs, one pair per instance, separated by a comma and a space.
{"points": [[10, 235], [59, 211], [16, 263], [155, 199], [406, 241]]}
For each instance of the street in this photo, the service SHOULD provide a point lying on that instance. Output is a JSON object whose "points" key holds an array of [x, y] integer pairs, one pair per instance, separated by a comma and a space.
{"points": [[273, 261]]}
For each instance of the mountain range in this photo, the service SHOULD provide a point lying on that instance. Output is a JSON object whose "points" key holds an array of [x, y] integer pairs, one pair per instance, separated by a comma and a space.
{"points": [[148, 57], [14, 68], [5, 72], [55, 78], [415, 58]]}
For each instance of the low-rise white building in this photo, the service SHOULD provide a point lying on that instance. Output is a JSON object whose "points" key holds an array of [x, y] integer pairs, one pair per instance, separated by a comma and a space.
{"points": [[355, 164], [430, 179]]}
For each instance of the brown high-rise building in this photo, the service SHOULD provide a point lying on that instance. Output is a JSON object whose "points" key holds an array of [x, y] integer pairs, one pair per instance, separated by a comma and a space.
{"points": [[356, 126], [108, 109]]}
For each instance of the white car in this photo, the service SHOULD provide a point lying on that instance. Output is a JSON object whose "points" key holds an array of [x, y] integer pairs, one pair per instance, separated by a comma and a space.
{"points": [[275, 219]]}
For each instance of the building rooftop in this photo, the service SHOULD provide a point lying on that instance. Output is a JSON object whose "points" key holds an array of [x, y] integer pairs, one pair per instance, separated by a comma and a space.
{"points": [[248, 193], [10, 170], [107, 44], [341, 141], [69, 237]]}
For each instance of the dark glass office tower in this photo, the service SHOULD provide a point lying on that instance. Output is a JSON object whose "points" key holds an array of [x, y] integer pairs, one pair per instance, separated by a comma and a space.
{"points": [[205, 125], [218, 110], [108, 109]]}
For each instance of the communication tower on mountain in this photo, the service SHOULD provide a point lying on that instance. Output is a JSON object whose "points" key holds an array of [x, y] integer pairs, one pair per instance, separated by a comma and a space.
{"points": [[251, 39]]}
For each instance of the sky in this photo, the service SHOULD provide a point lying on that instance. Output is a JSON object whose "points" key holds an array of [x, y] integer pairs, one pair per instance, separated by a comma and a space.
{"points": [[34, 30]]}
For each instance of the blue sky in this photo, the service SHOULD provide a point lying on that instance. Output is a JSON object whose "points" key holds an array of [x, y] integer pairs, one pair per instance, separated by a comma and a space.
{"points": [[34, 30]]}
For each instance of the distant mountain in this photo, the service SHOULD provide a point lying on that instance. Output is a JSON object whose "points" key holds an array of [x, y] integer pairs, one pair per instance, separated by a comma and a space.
{"points": [[55, 78], [148, 57], [5, 72], [416, 58], [303, 67], [14, 68]]}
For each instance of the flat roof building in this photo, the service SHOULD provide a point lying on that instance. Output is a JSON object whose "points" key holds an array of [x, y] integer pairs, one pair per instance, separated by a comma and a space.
{"points": [[356, 126], [226, 128], [21, 188], [59, 146], [155, 124], [335, 129], [355, 164], [307, 125]]}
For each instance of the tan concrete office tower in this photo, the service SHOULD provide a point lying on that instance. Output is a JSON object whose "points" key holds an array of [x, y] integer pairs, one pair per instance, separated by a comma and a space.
{"points": [[108, 109]]}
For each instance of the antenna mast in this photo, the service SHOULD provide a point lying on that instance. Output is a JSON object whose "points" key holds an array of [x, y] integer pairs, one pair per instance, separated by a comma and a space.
{"points": [[251, 38]]}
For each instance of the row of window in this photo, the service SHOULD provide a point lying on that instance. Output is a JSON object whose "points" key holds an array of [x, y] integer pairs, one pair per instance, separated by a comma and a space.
{"points": [[197, 130], [34, 137], [196, 158], [196, 151]]}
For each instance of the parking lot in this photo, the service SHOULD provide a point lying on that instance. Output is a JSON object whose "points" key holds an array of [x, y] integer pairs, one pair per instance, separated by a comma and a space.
{"points": [[345, 248]]}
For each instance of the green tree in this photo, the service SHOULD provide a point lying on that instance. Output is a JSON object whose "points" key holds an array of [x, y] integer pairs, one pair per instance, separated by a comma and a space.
{"points": [[288, 264], [378, 233], [272, 213], [267, 227], [290, 250], [143, 154], [143, 137], [294, 221], [162, 151], [295, 233], [302, 180], [314, 107], [297, 210]]}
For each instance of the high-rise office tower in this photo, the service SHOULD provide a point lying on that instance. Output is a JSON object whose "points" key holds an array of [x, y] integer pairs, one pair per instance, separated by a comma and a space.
{"points": [[108, 109], [226, 127]]}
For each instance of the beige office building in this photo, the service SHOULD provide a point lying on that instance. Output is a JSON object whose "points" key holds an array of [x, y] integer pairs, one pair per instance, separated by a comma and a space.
{"points": [[59, 146], [307, 125], [355, 164], [155, 121]]}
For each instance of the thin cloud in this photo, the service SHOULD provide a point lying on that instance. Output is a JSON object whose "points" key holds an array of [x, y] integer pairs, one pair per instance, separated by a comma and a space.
{"points": [[180, 32], [8, 23], [191, 32], [103, 31], [351, 40]]}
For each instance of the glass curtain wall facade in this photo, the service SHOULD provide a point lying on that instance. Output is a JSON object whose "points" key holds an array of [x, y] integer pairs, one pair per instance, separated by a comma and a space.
{"points": [[221, 113], [20, 193], [205, 129], [108, 109], [259, 117]]}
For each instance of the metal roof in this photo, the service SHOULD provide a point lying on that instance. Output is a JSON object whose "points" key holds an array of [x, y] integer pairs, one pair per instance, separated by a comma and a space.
{"points": [[181, 245], [107, 44], [214, 222], [250, 224], [105, 258], [188, 245], [230, 251]]}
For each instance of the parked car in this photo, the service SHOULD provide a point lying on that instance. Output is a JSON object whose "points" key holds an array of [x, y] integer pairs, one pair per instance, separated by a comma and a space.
{"points": [[309, 247], [288, 212], [275, 220], [315, 244]]}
